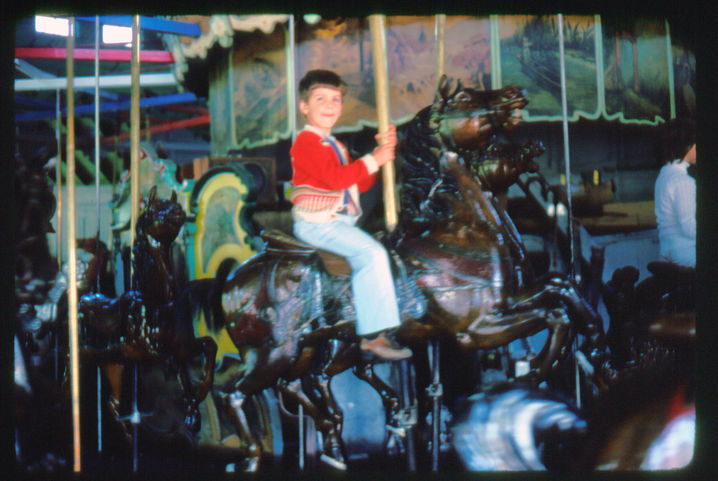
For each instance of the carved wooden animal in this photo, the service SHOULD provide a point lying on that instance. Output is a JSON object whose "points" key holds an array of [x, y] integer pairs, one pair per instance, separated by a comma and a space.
{"points": [[287, 308], [142, 324]]}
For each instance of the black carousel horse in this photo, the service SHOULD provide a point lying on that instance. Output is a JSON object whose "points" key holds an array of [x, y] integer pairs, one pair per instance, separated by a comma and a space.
{"points": [[143, 324], [289, 311]]}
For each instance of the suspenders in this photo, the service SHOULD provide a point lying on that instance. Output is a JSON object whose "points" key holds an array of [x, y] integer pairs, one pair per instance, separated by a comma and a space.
{"points": [[347, 198]]}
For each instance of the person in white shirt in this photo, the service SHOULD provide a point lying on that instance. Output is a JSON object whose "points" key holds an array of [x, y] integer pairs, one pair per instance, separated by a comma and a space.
{"points": [[675, 199]]}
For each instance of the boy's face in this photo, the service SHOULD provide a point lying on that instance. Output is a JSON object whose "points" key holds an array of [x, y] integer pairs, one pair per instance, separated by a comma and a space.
{"points": [[323, 108]]}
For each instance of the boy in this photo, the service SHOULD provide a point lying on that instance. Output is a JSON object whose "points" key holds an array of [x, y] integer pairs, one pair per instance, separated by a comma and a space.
{"points": [[326, 207]]}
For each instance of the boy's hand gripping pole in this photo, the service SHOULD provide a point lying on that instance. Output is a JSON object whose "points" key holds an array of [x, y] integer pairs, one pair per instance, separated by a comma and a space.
{"points": [[381, 88]]}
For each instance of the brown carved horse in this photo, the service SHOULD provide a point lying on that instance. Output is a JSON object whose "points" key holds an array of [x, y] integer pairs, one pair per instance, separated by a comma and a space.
{"points": [[143, 324], [290, 305]]}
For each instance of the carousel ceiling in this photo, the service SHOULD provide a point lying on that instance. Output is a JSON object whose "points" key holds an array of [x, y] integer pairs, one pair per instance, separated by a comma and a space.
{"points": [[180, 119], [635, 71]]}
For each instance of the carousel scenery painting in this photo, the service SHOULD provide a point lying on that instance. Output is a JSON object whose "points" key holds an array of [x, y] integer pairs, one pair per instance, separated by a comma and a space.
{"points": [[303, 245]]}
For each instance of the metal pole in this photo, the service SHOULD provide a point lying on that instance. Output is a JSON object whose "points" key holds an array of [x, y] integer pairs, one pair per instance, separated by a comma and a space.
{"points": [[135, 129], [381, 87], [134, 197], [301, 437], [292, 108], [567, 157], [292, 78], [58, 210], [72, 255], [58, 177], [435, 391], [408, 408], [569, 207], [97, 202], [439, 29]]}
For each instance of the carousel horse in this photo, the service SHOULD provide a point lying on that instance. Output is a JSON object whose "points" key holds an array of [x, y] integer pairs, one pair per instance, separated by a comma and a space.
{"points": [[644, 421], [662, 304], [289, 311], [143, 324]]}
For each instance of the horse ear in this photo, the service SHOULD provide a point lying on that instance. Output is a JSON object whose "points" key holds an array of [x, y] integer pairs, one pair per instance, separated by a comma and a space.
{"points": [[153, 195], [442, 92], [444, 85], [459, 86], [173, 199]]}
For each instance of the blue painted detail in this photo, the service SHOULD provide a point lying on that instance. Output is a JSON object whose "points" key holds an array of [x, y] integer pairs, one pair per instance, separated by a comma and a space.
{"points": [[150, 23], [111, 106]]}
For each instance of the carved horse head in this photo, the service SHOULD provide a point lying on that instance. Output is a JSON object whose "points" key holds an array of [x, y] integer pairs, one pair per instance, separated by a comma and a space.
{"points": [[466, 118], [162, 219]]}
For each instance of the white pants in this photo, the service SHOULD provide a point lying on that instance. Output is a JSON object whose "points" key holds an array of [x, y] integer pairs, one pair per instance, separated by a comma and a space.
{"points": [[372, 281]]}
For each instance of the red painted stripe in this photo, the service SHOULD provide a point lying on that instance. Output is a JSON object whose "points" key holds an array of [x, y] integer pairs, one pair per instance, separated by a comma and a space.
{"points": [[180, 124], [111, 55]]}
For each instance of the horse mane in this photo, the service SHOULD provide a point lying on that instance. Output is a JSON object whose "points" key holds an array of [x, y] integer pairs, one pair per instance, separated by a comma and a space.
{"points": [[423, 183], [142, 261]]}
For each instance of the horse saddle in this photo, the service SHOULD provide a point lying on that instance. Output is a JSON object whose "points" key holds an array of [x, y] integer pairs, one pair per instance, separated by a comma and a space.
{"points": [[278, 241], [412, 303]]}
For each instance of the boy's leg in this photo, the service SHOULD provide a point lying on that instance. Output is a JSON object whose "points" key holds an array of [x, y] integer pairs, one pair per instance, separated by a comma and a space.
{"points": [[372, 280]]}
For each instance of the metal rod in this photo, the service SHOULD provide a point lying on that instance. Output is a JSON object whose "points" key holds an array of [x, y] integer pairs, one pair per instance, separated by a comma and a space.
{"points": [[405, 374], [97, 202], [58, 212], [569, 205], [436, 406], [301, 437], [135, 131], [72, 257], [58, 177], [97, 140], [135, 420], [99, 410], [292, 78], [381, 88], [567, 157]]}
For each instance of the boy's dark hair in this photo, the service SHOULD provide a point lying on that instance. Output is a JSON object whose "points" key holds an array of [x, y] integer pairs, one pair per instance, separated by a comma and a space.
{"points": [[320, 78]]}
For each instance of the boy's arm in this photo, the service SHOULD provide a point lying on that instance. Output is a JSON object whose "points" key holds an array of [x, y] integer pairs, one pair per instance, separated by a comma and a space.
{"points": [[316, 164]]}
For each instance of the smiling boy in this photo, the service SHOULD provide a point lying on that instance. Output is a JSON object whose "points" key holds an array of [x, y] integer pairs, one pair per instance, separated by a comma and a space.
{"points": [[327, 183]]}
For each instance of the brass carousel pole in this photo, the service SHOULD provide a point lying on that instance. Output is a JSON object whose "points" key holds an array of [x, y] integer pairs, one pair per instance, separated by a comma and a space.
{"points": [[72, 255], [134, 129], [134, 198], [290, 50], [439, 29], [381, 89]]}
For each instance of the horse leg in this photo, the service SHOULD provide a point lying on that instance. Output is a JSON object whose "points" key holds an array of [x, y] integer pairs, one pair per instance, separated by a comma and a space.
{"points": [[192, 418], [332, 441], [206, 347], [555, 346], [389, 397], [251, 448], [113, 373]]}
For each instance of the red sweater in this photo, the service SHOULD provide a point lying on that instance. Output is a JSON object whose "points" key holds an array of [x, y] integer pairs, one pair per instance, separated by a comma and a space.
{"points": [[320, 178]]}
